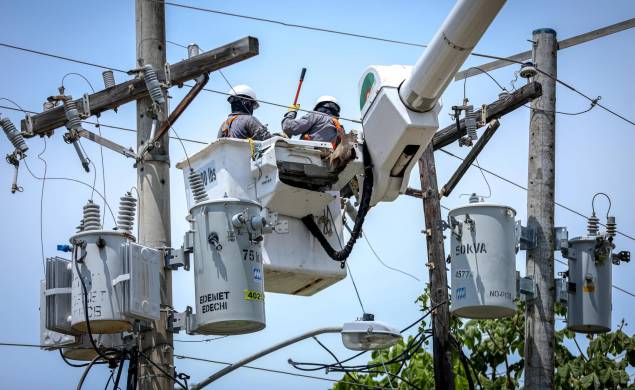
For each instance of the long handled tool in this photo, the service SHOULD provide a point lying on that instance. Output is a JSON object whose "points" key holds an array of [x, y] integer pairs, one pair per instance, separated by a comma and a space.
{"points": [[297, 93]]}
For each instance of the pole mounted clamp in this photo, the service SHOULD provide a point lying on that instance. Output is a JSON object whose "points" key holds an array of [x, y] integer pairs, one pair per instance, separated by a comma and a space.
{"points": [[176, 258], [178, 321], [526, 287], [526, 236]]}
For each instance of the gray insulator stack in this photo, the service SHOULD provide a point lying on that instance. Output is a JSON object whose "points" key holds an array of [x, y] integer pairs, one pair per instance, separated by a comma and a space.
{"points": [[593, 225], [127, 212], [611, 226], [470, 123], [153, 84], [92, 216], [14, 135], [198, 189], [109, 78], [73, 122]]}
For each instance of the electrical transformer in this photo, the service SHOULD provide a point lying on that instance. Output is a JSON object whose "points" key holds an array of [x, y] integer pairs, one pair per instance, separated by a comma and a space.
{"points": [[590, 284], [114, 278], [483, 260], [228, 274]]}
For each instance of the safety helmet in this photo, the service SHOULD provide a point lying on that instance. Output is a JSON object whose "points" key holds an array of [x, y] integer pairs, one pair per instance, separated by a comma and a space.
{"points": [[326, 99], [243, 90]]}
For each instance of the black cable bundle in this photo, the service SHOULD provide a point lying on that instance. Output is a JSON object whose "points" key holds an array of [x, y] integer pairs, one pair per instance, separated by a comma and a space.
{"points": [[367, 192]]}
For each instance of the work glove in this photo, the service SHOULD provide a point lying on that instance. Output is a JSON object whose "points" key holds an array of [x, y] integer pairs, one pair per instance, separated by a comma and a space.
{"points": [[294, 107], [291, 114], [281, 134]]}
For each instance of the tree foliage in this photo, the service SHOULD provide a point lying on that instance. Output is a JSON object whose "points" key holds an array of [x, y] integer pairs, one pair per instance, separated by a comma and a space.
{"points": [[495, 348]]}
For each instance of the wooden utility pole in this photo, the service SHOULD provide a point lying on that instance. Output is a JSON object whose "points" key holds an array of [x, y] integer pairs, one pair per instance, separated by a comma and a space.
{"points": [[153, 182], [443, 374], [539, 323]]}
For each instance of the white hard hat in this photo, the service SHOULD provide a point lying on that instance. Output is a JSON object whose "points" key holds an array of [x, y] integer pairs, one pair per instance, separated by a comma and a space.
{"points": [[325, 99], [244, 90]]}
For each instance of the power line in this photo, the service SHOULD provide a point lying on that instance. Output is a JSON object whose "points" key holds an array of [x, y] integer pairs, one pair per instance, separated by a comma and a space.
{"points": [[274, 371], [293, 25], [525, 189], [285, 106]]}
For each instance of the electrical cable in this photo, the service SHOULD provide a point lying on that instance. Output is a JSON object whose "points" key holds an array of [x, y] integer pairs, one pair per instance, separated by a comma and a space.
{"points": [[88, 367], [72, 180], [116, 382], [112, 372], [382, 262], [607, 198], [69, 363], [76, 262], [39, 156], [348, 269], [162, 370], [364, 207], [489, 189], [525, 189], [334, 357], [274, 371]]}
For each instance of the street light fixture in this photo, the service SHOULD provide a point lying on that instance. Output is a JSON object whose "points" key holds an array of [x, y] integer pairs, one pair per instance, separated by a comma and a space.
{"points": [[362, 335]]}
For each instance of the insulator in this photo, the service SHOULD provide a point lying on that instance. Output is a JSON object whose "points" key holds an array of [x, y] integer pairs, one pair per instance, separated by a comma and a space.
{"points": [[72, 114], [127, 212], [470, 123], [153, 84], [48, 105], [198, 189], [611, 226], [92, 216], [80, 227], [593, 224], [14, 135], [193, 50], [109, 78], [527, 70]]}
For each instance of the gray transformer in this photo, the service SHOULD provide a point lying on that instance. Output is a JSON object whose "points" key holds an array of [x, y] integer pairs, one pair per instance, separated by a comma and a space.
{"points": [[121, 278], [590, 283], [228, 267], [483, 260]]}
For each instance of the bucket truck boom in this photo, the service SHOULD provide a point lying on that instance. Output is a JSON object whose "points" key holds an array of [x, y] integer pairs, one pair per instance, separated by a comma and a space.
{"points": [[400, 104]]}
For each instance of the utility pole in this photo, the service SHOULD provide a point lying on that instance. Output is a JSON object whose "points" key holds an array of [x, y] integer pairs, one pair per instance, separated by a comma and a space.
{"points": [[442, 353], [153, 182], [539, 315]]}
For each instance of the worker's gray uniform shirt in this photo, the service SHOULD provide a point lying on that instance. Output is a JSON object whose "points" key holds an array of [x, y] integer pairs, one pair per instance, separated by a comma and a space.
{"points": [[243, 127], [318, 126]]}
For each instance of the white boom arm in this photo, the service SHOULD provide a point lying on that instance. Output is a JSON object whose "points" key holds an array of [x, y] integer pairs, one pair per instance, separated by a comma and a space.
{"points": [[400, 104]]}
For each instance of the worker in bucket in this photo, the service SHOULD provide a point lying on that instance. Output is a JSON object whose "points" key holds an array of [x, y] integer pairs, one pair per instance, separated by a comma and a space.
{"points": [[321, 125], [241, 123]]}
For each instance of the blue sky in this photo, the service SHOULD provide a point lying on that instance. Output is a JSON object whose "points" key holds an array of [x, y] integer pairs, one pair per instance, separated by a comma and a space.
{"points": [[593, 151]]}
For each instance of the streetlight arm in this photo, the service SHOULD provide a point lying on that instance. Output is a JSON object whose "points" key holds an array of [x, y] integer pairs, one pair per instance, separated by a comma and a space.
{"points": [[273, 348]]}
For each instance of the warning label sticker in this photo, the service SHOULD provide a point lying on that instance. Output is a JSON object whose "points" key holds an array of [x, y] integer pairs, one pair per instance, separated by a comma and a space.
{"points": [[251, 295]]}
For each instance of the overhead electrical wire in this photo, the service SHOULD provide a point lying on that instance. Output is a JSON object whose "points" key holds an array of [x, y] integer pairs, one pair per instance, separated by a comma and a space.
{"points": [[567, 85], [274, 371]]}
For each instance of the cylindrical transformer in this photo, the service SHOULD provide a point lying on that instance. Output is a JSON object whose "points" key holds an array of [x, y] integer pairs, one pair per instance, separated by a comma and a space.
{"points": [[590, 280], [99, 256], [228, 267], [85, 351], [483, 260]]}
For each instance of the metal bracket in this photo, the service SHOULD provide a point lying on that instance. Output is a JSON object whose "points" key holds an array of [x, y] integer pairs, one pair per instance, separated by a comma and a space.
{"points": [[28, 119], [526, 237], [176, 258], [179, 321], [560, 239], [562, 291], [85, 106], [282, 227], [526, 287], [168, 75]]}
